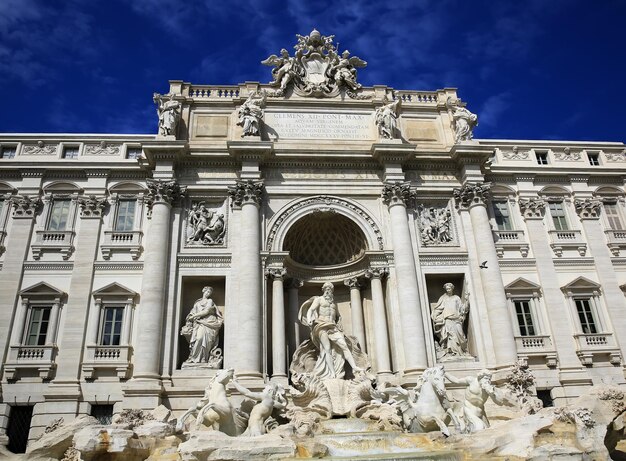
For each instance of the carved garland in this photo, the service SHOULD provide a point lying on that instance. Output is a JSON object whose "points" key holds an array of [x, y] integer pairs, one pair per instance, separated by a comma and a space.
{"points": [[324, 200]]}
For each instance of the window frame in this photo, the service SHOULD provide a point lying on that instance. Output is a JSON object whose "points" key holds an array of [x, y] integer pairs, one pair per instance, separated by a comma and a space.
{"points": [[593, 158], [525, 290], [66, 147], [105, 308], [583, 288], [542, 157], [565, 218], [509, 208], [6, 147], [588, 314], [32, 309], [526, 316], [118, 208], [137, 152]]}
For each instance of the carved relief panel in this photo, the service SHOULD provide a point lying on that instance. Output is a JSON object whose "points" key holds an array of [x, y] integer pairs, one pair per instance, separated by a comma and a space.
{"points": [[205, 223], [436, 225]]}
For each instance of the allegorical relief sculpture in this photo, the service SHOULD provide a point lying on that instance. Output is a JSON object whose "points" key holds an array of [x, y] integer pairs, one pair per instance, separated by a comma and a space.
{"points": [[317, 69], [168, 111], [205, 226], [201, 329], [448, 315], [435, 225], [251, 113], [386, 119], [329, 348], [463, 121]]}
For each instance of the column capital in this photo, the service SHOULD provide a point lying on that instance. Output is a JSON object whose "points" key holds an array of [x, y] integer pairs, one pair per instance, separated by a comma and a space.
{"points": [[164, 191], [294, 283], [376, 273], [92, 206], [397, 193], [277, 273], [246, 191], [352, 283], [471, 194], [24, 206], [532, 208], [588, 208]]}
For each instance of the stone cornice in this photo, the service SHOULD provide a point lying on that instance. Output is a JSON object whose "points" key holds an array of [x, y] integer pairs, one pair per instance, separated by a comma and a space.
{"points": [[257, 151], [392, 152]]}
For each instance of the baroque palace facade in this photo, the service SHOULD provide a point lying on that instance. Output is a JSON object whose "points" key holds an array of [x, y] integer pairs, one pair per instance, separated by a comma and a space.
{"points": [[264, 192]]}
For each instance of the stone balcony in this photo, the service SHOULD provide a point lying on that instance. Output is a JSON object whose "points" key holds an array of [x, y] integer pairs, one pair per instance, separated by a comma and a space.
{"points": [[61, 241], [616, 240], [115, 241], [39, 359], [539, 346], [111, 358], [592, 346], [561, 240], [507, 240]]}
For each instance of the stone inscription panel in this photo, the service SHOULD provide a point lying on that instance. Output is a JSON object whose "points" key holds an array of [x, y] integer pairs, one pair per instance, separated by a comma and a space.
{"points": [[316, 125]]}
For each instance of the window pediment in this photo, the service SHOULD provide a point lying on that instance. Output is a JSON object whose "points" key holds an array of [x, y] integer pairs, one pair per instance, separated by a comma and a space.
{"points": [[522, 287], [42, 290], [114, 290], [581, 285]]}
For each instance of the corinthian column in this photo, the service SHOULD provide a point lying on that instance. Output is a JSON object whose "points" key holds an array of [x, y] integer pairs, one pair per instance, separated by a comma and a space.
{"points": [[473, 197], [246, 356], [279, 347], [381, 334], [148, 345], [396, 195]]}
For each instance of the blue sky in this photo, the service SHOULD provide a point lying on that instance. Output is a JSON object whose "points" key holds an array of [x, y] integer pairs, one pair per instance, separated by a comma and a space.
{"points": [[536, 69]]}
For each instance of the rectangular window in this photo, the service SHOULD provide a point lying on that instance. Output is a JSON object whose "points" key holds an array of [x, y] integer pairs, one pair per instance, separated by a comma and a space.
{"points": [[542, 158], [112, 326], [125, 219], [612, 215], [38, 326], [133, 152], [103, 413], [524, 317], [587, 322], [594, 159], [558, 215], [502, 215], [70, 152], [8, 152], [59, 215]]}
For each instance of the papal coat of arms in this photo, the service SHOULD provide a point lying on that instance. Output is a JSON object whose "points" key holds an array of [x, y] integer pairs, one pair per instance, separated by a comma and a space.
{"points": [[316, 69]]}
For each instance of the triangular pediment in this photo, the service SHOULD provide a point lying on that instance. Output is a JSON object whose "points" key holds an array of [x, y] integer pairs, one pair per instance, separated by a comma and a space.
{"points": [[114, 289], [42, 290], [521, 286], [582, 284]]}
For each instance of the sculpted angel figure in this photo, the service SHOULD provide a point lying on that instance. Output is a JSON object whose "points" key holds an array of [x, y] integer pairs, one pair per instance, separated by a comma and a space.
{"points": [[385, 117], [329, 346], [272, 397], [463, 121], [343, 69], [478, 389], [201, 329], [169, 114], [285, 68], [251, 113], [448, 317]]}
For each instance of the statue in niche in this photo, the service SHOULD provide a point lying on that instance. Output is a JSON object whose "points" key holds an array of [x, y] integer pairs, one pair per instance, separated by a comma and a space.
{"points": [[206, 226], [251, 113], [169, 114], [448, 316], [272, 397], [386, 119], [201, 329], [463, 121], [435, 225], [478, 389], [325, 354]]}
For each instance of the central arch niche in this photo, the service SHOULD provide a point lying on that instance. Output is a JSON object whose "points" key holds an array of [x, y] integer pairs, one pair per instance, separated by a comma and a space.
{"points": [[325, 238]]}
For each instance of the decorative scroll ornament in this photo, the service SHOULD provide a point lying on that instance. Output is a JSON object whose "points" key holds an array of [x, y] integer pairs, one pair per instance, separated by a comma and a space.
{"points": [[397, 193], [532, 208], [164, 191], [463, 121], [24, 206], [516, 154], [588, 209], [376, 273], [205, 226], [317, 69], [568, 155], [352, 283], [40, 149], [92, 206], [246, 191], [276, 273], [435, 225], [102, 149], [471, 194]]}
